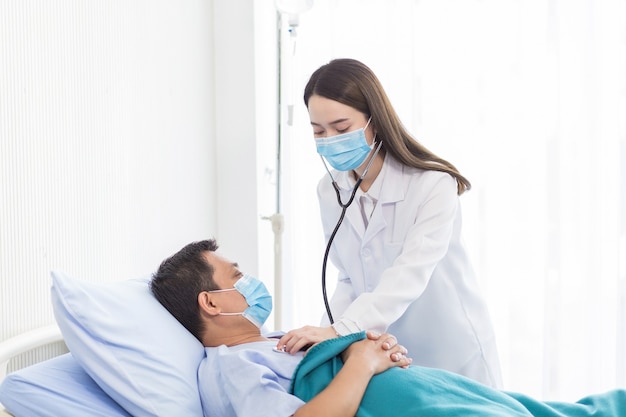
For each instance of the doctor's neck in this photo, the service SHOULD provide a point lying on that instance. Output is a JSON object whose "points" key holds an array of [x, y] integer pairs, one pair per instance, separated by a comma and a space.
{"points": [[372, 173]]}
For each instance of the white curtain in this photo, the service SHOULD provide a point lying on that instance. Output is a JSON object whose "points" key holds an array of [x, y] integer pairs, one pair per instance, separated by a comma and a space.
{"points": [[528, 100]]}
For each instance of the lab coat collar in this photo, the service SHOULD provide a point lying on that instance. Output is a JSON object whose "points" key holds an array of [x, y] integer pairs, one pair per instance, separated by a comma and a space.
{"points": [[392, 187], [389, 177], [392, 190]]}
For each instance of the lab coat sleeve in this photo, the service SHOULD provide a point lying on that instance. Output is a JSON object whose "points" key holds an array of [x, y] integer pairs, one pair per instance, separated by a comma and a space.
{"points": [[430, 224]]}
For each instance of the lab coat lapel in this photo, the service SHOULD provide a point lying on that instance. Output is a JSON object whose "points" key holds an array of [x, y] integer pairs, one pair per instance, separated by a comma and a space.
{"points": [[392, 191]]}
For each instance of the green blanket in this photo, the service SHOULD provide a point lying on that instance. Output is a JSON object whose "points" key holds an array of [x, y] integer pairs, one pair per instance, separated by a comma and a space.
{"points": [[419, 391]]}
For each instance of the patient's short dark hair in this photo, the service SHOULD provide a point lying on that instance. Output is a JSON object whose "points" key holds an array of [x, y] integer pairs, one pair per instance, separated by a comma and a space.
{"points": [[179, 280]]}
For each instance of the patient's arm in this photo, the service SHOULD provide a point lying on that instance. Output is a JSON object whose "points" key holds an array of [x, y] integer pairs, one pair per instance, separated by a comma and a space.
{"points": [[362, 360]]}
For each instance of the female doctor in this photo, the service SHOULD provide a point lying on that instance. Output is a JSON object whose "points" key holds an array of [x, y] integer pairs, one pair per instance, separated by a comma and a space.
{"points": [[402, 265]]}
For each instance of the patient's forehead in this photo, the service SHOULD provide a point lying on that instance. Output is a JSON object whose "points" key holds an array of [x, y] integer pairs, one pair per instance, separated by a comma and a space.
{"points": [[225, 271], [219, 259]]}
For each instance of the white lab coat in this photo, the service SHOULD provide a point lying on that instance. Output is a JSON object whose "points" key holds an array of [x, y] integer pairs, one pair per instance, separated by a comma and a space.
{"points": [[408, 273]]}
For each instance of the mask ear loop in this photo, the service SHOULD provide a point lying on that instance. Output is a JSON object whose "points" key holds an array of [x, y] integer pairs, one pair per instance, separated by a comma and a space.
{"points": [[343, 213], [227, 289]]}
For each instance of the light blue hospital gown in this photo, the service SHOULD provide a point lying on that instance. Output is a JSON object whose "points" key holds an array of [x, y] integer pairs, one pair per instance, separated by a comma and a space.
{"points": [[247, 380]]}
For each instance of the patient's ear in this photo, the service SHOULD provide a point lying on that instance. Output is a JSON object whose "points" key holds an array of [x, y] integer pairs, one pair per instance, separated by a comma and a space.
{"points": [[207, 305]]}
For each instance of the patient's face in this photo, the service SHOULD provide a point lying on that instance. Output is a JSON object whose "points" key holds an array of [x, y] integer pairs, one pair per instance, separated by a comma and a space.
{"points": [[225, 274]]}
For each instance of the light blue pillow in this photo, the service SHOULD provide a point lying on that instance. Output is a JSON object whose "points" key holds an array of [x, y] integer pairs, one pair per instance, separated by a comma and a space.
{"points": [[130, 345], [56, 387]]}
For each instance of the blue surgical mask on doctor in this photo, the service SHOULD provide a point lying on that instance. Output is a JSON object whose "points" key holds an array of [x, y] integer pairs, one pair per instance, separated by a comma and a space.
{"points": [[257, 296], [346, 151]]}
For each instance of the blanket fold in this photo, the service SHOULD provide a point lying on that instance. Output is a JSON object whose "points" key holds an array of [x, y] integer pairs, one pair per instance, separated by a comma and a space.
{"points": [[420, 391]]}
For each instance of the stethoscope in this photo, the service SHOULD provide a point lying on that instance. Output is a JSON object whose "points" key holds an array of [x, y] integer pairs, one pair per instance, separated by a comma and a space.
{"points": [[344, 207]]}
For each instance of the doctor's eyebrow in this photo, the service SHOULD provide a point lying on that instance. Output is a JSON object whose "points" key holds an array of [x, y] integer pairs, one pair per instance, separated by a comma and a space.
{"points": [[344, 119]]}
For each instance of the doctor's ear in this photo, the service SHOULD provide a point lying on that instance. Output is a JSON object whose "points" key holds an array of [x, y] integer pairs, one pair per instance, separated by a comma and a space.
{"points": [[207, 305]]}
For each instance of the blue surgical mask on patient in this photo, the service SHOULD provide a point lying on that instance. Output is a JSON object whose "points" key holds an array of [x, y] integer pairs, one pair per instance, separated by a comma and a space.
{"points": [[257, 296], [347, 151]]}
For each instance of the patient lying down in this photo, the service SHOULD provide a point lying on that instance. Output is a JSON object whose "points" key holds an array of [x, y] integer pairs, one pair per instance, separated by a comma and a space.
{"points": [[361, 374]]}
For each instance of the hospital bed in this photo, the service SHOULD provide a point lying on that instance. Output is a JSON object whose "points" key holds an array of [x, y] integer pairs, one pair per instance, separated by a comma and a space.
{"points": [[129, 357]]}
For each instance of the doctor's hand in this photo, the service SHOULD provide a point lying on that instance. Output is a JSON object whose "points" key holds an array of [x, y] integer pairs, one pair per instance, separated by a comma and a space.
{"points": [[304, 337]]}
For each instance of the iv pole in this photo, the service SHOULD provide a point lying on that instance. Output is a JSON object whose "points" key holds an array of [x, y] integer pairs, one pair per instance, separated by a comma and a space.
{"points": [[277, 218], [292, 8]]}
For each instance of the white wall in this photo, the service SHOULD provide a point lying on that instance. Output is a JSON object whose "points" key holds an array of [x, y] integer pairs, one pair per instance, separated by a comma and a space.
{"points": [[236, 197], [107, 143], [128, 129]]}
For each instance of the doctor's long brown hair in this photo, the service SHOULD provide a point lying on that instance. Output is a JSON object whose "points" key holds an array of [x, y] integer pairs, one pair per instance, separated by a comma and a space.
{"points": [[352, 83]]}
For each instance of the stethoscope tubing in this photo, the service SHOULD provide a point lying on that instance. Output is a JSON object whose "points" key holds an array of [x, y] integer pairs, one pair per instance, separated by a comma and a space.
{"points": [[344, 207]]}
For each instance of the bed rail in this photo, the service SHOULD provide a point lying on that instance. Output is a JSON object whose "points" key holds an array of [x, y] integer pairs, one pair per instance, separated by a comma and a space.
{"points": [[26, 341]]}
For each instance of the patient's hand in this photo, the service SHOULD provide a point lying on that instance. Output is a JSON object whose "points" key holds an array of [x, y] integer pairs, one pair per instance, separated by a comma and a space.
{"points": [[298, 339], [388, 342], [379, 352]]}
